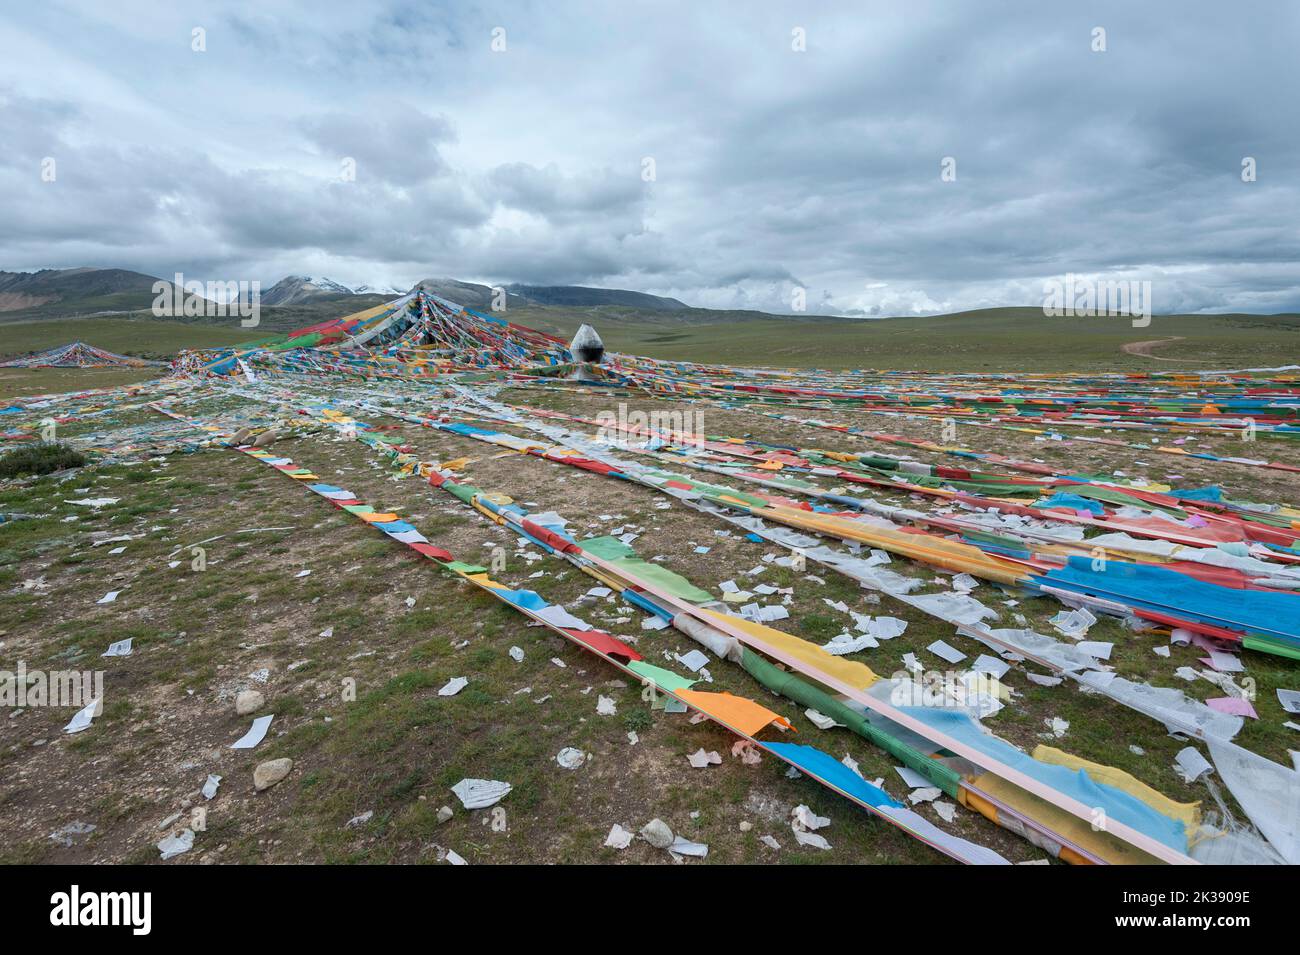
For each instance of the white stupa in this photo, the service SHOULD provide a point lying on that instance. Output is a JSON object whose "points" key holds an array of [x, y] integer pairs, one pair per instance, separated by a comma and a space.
{"points": [[587, 350]]}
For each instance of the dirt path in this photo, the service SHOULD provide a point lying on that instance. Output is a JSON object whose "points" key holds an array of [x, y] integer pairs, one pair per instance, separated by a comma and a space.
{"points": [[1143, 349]]}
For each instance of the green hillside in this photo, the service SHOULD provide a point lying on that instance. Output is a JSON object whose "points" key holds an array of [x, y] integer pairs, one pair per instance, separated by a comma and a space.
{"points": [[992, 339]]}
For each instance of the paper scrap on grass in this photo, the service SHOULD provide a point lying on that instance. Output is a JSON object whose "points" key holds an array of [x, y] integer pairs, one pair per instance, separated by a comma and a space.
{"points": [[803, 818], [122, 648], [693, 661], [454, 686], [1224, 662], [480, 793], [1290, 700], [618, 838], [810, 839], [912, 778], [1073, 623], [81, 720], [844, 643], [571, 758], [557, 616], [1191, 764], [255, 734], [701, 759], [820, 720], [991, 665], [684, 847], [946, 652], [173, 846], [1234, 705], [109, 597]]}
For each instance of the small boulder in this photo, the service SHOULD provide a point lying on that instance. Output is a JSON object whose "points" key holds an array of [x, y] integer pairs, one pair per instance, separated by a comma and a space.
{"points": [[269, 773], [249, 701]]}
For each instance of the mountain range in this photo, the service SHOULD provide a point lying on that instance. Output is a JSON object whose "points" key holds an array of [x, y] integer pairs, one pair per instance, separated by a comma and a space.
{"points": [[67, 293]]}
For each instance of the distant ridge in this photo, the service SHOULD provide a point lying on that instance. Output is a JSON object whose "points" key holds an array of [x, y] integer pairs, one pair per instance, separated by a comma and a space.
{"points": [[75, 291], [583, 297]]}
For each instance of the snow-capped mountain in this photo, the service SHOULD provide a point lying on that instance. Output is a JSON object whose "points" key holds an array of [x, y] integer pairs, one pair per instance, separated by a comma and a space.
{"points": [[295, 289]]}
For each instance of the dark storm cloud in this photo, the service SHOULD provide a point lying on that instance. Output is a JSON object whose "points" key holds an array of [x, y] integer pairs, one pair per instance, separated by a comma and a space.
{"points": [[680, 148]]}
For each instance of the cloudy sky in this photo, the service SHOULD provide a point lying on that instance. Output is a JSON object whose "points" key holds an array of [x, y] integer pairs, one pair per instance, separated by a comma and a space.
{"points": [[687, 149]]}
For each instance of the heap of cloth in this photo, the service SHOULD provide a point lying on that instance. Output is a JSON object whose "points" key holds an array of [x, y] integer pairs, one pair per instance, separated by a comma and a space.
{"points": [[79, 355], [418, 335]]}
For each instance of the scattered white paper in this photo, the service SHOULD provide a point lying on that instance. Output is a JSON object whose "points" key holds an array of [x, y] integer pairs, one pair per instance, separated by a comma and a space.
{"points": [[820, 720], [990, 665], [810, 839], [803, 818], [693, 661], [912, 778], [454, 686], [1191, 764], [173, 846], [81, 720], [557, 616], [684, 847], [210, 786], [570, 758], [946, 652], [618, 838], [480, 793], [255, 734], [701, 759]]}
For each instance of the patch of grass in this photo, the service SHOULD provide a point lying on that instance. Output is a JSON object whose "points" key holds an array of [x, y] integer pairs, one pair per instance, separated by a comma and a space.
{"points": [[44, 457]]}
